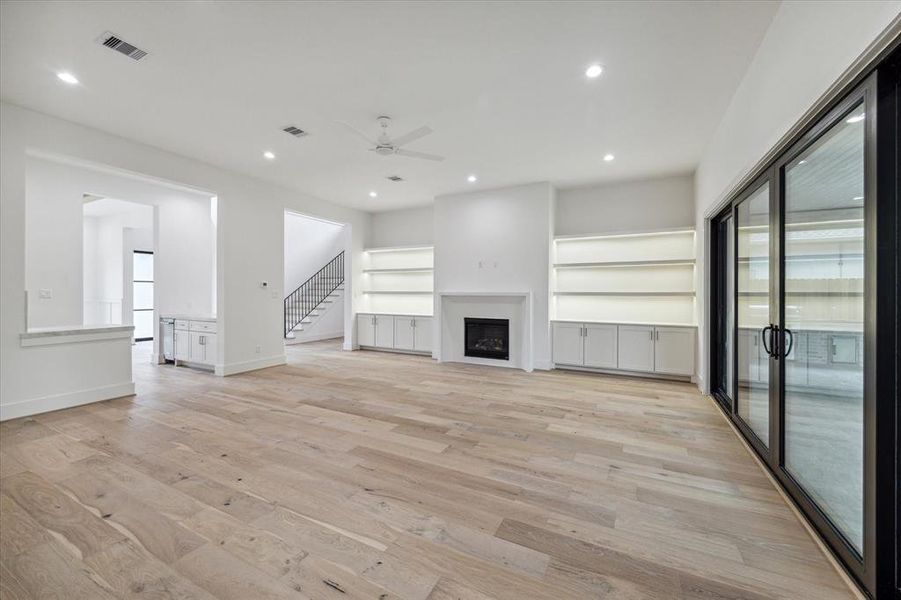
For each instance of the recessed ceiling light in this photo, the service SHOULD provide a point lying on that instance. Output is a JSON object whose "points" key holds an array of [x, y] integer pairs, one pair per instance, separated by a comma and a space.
{"points": [[594, 71], [802, 162], [373, 194], [68, 78], [856, 118], [269, 155], [608, 157], [858, 197], [472, 179]]}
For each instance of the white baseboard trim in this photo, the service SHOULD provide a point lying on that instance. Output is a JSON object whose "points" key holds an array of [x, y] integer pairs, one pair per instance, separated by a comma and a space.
{"points": [[544, 365], [36, 406], [250, 365], [301, 339], [643, 374]]}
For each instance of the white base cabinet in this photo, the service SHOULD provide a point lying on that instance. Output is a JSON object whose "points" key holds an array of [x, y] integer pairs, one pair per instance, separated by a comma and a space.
{"points": [[658, 349], [585, 345], [636, 348], [395, 332], [196, 342], [674, 350]]}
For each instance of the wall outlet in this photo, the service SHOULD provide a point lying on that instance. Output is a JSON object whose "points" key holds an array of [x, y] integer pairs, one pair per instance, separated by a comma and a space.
{"points": [[45, 294], [258, 349]]}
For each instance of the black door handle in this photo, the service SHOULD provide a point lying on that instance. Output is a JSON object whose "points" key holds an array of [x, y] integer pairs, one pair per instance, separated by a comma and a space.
{"points": [[763, 338]]}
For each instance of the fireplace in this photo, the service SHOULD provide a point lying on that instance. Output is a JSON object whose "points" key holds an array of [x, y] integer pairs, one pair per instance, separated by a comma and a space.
{"points": [[487, 338]]}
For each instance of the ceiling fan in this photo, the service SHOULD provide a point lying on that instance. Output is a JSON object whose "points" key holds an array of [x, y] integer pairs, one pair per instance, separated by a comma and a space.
{"points": [[384, 145]]}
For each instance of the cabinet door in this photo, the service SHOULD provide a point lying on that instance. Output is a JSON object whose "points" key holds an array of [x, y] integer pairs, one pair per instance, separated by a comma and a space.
{"points": [[366, 330], [182, 345], [568, 344], [403, 333], [600, 346], [197, 347], [422, 332], [384, 331], [635, 348], [210, 346], [674, 350]]}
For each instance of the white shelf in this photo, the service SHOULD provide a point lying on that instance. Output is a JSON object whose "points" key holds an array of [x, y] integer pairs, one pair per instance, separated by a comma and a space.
{"points": [[641, 277], [399, 280], [625, 234], [627, 263], [398, 249], [556, 293], [401, 270], [398, 292]]}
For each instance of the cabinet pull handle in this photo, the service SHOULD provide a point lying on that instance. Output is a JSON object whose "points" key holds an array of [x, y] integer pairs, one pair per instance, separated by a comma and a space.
{"points": [[586, 332]]}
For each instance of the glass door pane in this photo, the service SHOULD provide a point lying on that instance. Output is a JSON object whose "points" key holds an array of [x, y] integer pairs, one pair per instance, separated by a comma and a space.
{"points": [[142, 295], [753, 288], [824, 322]]}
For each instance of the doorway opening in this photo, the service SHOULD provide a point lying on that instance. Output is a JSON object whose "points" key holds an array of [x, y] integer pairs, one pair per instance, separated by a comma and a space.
{"points": [[314, 298]]}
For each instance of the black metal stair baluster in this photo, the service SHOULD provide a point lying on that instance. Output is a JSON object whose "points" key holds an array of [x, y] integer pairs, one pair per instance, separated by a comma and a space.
{"points": [[300, 303]]}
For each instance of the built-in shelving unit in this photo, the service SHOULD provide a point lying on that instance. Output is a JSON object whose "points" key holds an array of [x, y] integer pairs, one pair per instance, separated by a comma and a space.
{"points": [[398, 281], [636, 277]]}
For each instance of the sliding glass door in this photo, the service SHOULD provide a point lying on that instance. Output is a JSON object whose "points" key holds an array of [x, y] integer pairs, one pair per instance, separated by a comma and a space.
{"points": [[793, 339], [754, 238], [824, 266]]}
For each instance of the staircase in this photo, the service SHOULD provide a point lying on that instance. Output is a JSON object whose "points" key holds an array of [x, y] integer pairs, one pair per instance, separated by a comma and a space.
{"points": [[305, 304]]}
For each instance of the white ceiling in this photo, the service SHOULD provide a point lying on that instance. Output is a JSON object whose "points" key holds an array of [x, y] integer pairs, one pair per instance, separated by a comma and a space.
{"points": [[501, 83], [109, 207]]}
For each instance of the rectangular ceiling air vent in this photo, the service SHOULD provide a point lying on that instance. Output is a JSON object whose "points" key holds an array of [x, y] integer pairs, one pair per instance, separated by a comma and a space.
{"points": [[295, 131], [113, 42], [395, 178]]}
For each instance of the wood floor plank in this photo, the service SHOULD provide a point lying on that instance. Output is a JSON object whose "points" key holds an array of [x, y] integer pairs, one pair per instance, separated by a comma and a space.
{"points": [[365, 475]]}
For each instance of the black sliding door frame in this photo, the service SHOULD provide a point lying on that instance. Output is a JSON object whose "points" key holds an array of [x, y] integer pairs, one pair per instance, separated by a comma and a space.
{"points": [[861, 565], [877, 567]]}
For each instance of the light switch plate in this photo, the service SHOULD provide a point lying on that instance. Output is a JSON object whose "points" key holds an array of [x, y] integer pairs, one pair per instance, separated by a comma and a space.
{"points": [[45, 294]]}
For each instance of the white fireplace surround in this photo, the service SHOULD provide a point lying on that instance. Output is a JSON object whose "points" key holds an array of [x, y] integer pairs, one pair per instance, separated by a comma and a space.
{"points": [[451, 308]]}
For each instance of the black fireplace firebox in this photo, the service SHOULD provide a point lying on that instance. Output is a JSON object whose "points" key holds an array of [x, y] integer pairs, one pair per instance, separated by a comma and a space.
{"points": [[488, 338]]}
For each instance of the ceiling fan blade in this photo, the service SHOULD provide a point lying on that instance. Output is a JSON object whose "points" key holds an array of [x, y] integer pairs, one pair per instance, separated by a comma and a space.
{"points": [[412, 154], [413, 135], [357, 132]]}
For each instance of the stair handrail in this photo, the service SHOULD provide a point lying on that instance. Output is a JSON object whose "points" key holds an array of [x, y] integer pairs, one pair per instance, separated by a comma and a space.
{"points": [[312, 292]]}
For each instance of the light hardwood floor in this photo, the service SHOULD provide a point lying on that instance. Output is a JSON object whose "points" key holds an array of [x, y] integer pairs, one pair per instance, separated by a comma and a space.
{"points": [[381, 476]]}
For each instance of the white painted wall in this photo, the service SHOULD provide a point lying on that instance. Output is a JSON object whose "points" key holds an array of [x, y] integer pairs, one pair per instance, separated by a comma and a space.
{"points": [[408, 227], [250, 247], [499, 241], [182, 246], [309, 245], [805, 50], [650, 204]]}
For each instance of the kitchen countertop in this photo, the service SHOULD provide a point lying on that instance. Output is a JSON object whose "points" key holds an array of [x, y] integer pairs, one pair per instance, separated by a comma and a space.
{"points": [[189, 317]]}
